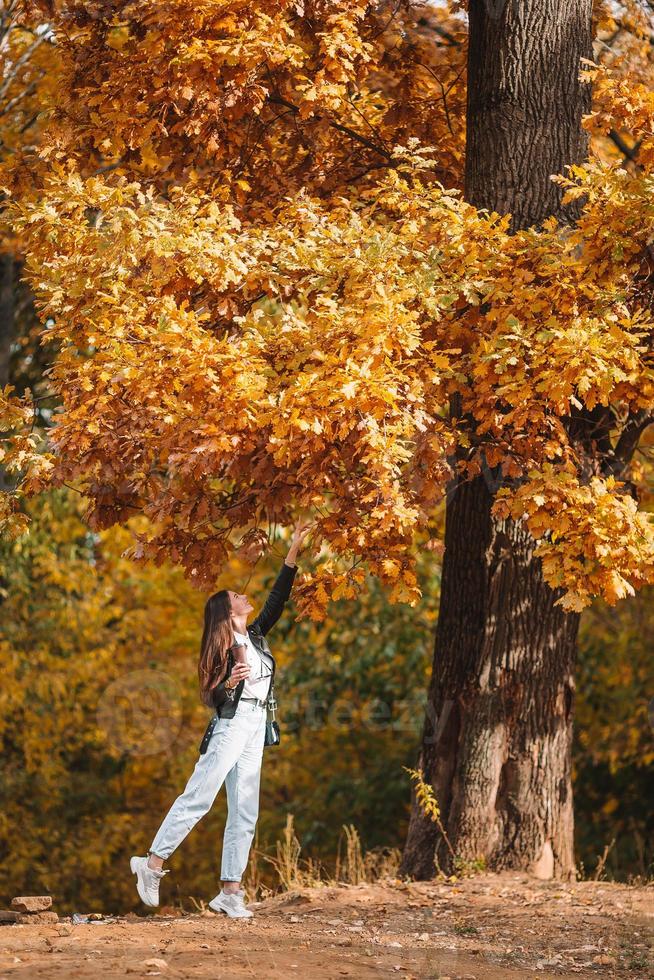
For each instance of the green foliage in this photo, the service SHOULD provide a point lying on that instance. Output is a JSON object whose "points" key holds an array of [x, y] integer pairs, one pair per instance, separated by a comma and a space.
{"points": [[614, 748]]}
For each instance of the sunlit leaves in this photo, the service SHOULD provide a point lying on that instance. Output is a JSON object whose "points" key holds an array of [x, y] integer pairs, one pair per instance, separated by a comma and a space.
{"points": [[27, 467], [270, 296], [592, 539]]}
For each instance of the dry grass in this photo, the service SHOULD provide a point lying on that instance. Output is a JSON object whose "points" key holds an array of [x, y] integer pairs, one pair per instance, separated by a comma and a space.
{"points": [[290, 870]]}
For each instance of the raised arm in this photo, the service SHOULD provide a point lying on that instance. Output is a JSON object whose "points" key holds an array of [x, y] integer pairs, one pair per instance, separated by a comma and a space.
{"points": [[281, 589], [277, 598]]}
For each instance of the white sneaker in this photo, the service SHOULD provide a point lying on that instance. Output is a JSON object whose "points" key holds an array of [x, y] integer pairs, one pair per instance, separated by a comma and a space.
{"points": [[147, 880], [232, 905]]}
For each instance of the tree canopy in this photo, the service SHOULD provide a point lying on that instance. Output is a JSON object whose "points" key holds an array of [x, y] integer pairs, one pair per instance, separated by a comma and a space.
{"points": [[246, 227]]}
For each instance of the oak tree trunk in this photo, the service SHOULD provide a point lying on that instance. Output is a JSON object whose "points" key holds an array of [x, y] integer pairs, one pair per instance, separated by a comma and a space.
{"points": [[497, 738]]}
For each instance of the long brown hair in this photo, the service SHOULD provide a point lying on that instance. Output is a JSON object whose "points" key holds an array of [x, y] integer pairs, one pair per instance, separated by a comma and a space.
{"points": [[217, 637]]}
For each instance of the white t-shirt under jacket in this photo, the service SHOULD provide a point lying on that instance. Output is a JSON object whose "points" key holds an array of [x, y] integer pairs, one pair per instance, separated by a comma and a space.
{"points": [[256, 685]]}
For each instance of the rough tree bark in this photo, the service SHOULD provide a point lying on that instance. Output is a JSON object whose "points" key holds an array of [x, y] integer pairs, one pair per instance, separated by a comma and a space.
{"points": [[497, 737]]}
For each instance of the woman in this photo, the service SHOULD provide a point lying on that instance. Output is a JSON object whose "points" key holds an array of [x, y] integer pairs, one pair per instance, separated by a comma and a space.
{"points": [[232, 747]]}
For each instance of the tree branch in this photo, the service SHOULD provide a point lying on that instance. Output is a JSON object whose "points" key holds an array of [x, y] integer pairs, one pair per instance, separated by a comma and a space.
{"points": [[357, 137], [627, 442]]}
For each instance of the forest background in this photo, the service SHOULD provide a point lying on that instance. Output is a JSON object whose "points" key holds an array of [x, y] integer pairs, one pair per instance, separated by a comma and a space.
{"points": [[99, 714]]}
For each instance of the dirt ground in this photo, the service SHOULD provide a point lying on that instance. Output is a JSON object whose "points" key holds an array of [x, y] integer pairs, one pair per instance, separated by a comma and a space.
{"points": [[490, 927]]}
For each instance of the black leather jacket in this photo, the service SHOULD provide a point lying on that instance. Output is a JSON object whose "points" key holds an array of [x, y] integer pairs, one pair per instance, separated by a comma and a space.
{"points": [[257, 629]]}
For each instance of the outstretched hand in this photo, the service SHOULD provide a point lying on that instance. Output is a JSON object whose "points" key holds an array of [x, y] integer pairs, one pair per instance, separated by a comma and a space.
{"points": [[300, 532]]}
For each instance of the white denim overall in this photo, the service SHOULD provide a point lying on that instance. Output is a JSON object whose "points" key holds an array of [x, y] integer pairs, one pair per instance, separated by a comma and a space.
{"points": [[233, 757]]}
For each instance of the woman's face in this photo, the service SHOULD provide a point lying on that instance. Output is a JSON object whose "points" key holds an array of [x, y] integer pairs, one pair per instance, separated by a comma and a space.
{"points": [[240, 604]]}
